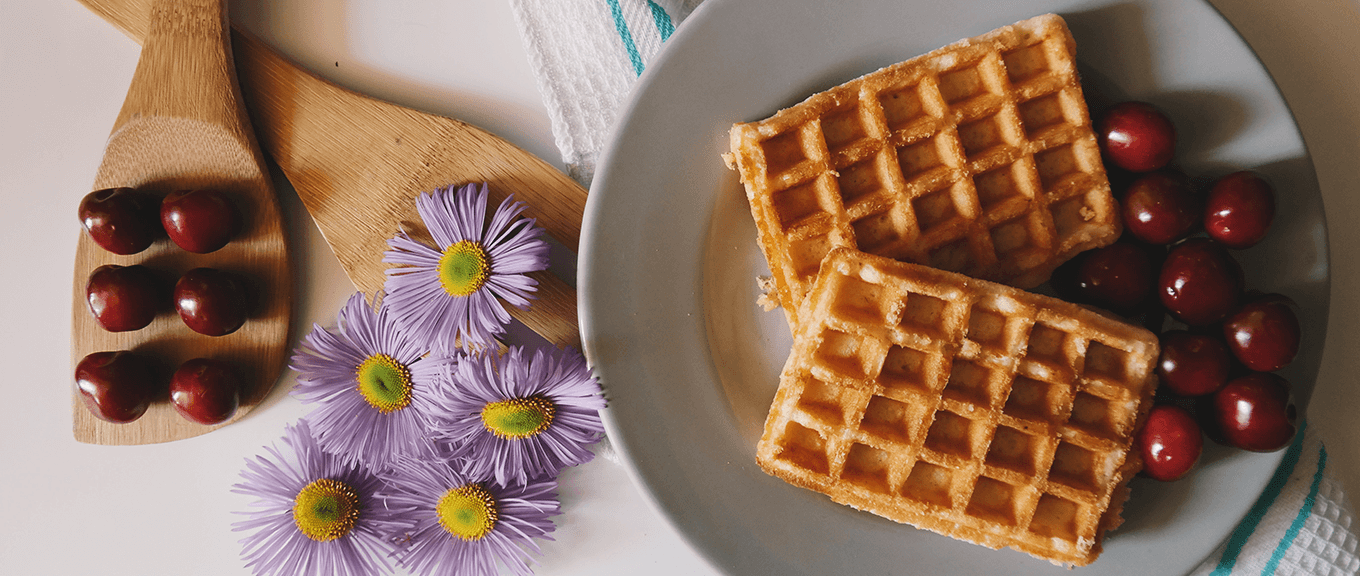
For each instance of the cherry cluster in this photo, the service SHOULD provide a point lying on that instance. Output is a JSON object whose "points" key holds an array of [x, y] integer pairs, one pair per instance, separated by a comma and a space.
{"points": [[119, 386], [1221, 344]]}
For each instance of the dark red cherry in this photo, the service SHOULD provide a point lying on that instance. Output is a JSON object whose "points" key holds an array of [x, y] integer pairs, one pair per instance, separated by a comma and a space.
{"points": [[1136, 136], [124, 298], [201, 220], [1239, 209], [1193, 364], [116, 386], [1255, 412], [211, 301], [1161, 208], [1264, 334], [121, 220], [1200, 282], [1170, 443], [1118, 276], [1064, 279], [205, 390]]}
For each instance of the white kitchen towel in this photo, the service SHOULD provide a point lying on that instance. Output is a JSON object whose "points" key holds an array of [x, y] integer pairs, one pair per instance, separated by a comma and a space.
{"points": [[587, 54], [1301, 524]]}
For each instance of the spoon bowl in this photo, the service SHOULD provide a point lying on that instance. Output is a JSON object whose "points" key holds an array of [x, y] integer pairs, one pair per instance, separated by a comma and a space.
{"points": [[183, 125]]}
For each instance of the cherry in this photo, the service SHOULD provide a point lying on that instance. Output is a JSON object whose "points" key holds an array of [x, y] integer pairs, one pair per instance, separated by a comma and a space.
{"points": [[205, 391], [1170, 443], [1118, 276], [1254, 412], [123, 298], [116, 386], [1153, 317], [1136, 136], [121, 220], [1239, 209], [1200, 283], [1193, 364], [1161, 208], [1064, 279], [1264, 335], [211, 301], [201, 220]]}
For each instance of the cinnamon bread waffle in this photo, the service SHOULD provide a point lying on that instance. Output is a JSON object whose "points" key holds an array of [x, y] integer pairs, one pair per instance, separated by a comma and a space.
{"points": [[961, 406], [976, 158]]}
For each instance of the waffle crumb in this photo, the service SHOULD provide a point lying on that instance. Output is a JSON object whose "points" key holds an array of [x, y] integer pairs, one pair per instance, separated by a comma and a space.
{"points": [[765, 300]]}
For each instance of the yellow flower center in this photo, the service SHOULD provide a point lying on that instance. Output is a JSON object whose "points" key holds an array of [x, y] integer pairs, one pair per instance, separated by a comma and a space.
{"points": [[326, 509], [468, 512], [464, 268], [384, 383], [519, 417]]}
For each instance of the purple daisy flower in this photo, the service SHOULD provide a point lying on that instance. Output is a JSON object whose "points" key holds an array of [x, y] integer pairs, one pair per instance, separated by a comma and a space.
{"points": [[450, 294], [451, 524], [373, 384], [314, 513], [515, 418]]}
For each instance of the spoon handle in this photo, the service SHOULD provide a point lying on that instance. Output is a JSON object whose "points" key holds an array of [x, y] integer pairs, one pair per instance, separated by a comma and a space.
{"points": [[186, 68]]}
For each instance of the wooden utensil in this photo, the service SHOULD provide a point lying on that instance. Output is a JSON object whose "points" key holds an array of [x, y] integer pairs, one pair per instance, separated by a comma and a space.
{"points": [[358, 163], [183, 125]]}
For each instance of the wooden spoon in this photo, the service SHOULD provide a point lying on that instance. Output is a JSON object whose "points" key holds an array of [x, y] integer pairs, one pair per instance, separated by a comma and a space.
{"points": [[358, 164], [183, 125]]}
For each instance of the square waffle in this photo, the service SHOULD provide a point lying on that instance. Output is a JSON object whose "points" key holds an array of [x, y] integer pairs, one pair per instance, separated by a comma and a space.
{"points": [[961, 406], [976, 158]]}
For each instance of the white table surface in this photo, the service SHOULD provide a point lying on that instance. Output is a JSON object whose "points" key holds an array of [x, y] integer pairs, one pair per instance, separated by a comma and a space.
{"points": [[70, 508]]}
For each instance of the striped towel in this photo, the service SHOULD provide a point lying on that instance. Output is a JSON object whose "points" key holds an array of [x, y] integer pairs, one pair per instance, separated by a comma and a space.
{"points": [[586, 54], [1301, 524]]}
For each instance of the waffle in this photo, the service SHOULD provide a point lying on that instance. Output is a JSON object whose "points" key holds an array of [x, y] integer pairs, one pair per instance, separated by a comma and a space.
{"points": [[977, 158], [961, 406]]}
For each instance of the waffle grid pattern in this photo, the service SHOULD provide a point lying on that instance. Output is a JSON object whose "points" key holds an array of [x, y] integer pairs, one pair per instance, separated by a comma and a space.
{"points": [[977, 158], [965, 407]]}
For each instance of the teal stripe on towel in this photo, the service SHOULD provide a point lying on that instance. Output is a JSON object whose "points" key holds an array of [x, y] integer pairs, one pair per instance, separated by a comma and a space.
{"points": [[1243, 532], [664, 26], [626, 36], [1304, 511]]}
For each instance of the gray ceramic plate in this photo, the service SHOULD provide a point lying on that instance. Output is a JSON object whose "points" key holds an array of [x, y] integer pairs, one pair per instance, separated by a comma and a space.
{"points": [[669, 262]]}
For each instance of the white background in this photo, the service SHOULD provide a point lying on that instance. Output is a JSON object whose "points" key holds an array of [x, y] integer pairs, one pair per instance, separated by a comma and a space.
{"points": [[68, 508]]}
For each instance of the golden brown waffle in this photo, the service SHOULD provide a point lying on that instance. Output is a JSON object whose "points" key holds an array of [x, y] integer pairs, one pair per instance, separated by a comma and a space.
{"points": [[977, 158], [965, 407]]}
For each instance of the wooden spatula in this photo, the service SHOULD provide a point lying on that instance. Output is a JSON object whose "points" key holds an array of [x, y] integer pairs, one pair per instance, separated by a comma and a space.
{"points": [[183, 125], [358, 163]]}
